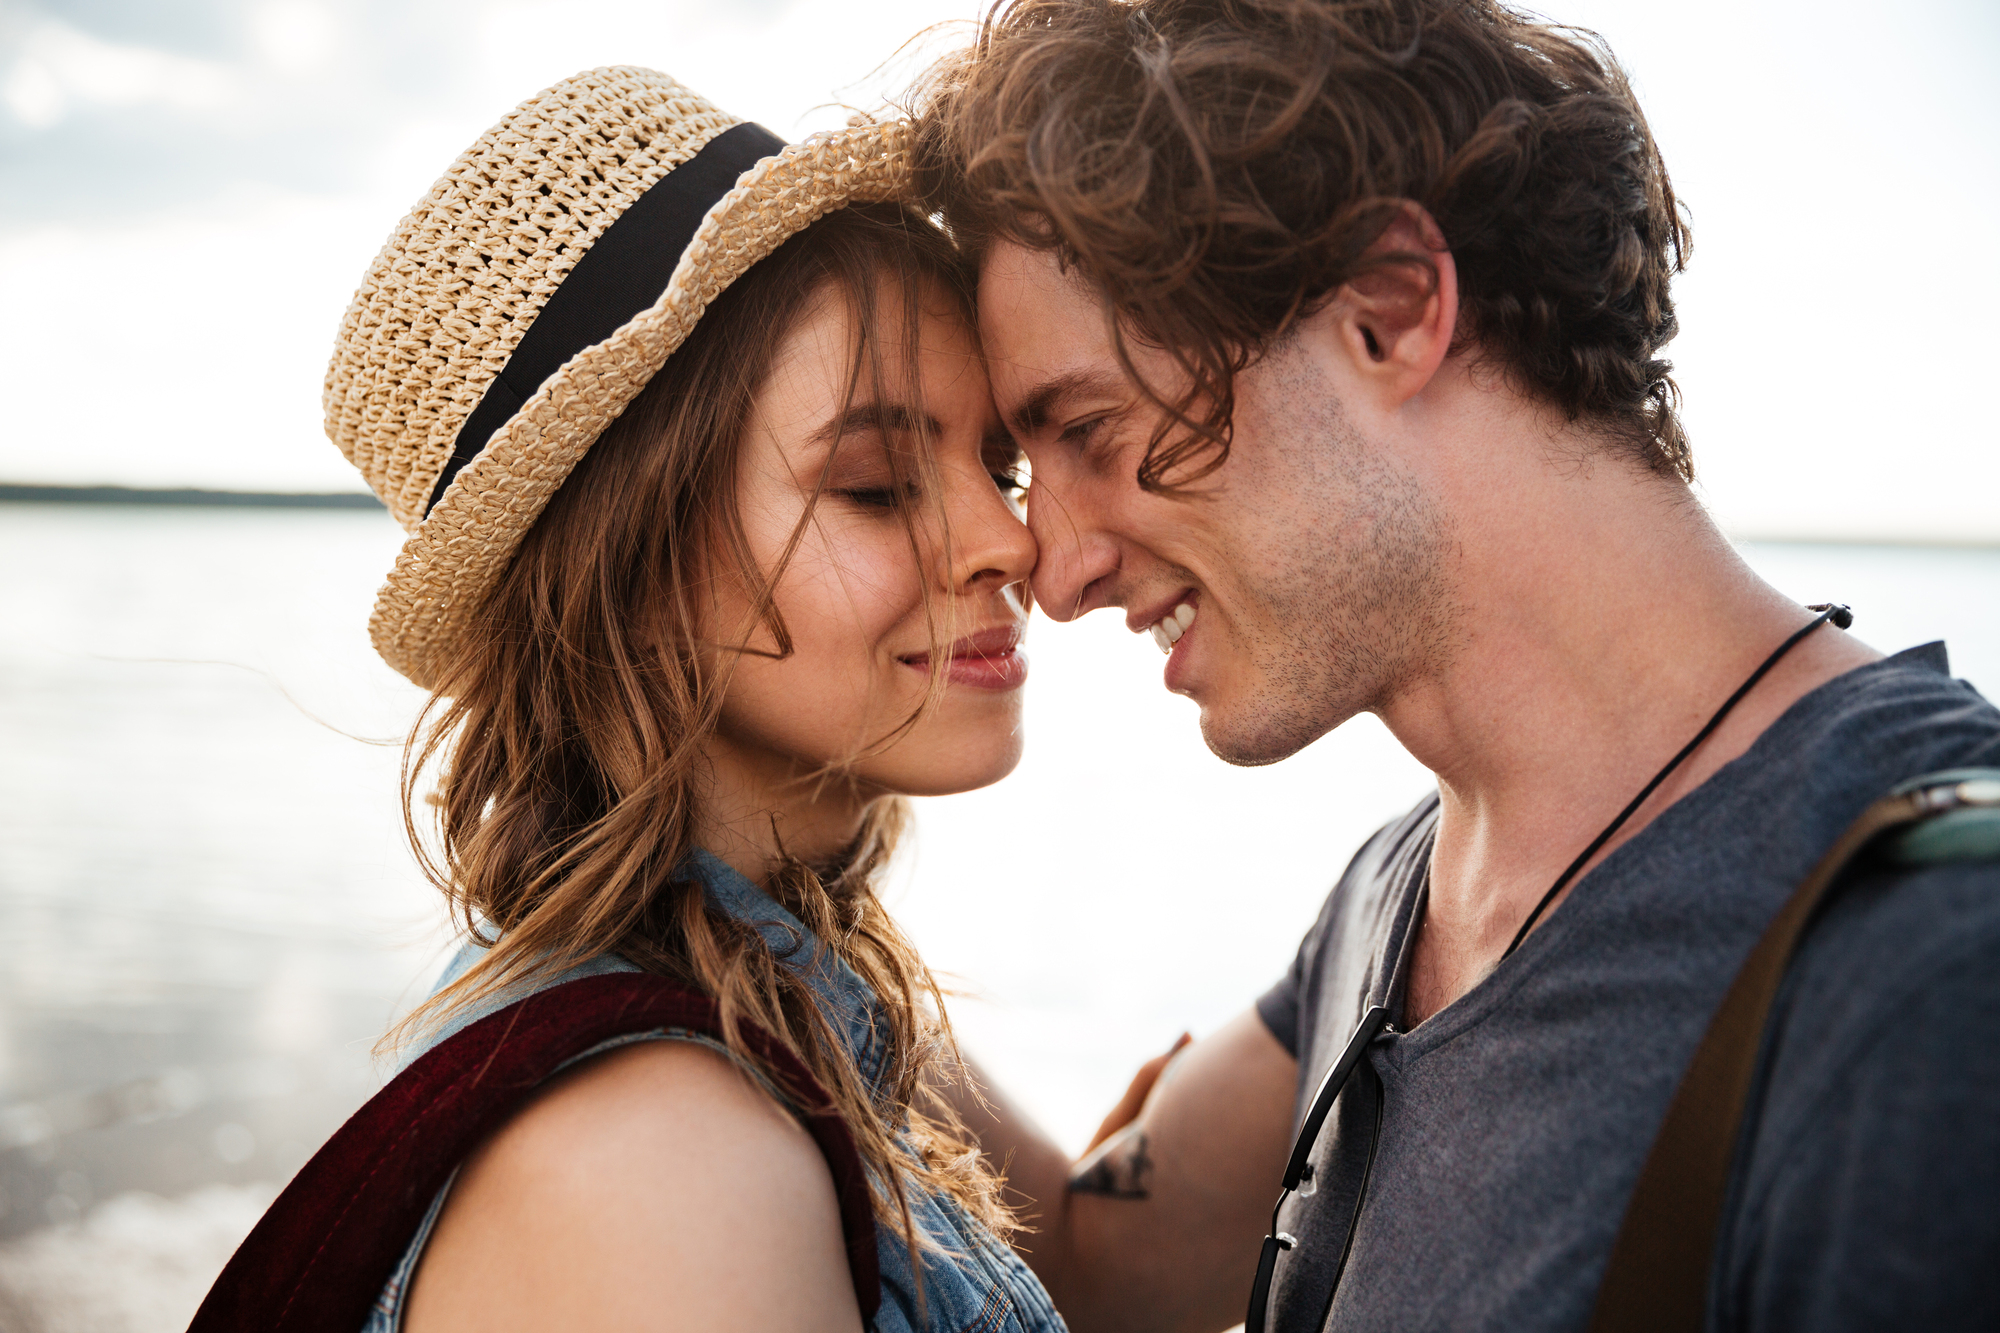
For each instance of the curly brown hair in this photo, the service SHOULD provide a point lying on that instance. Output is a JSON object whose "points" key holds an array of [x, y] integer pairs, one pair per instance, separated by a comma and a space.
{"points": [[1220, 168]]}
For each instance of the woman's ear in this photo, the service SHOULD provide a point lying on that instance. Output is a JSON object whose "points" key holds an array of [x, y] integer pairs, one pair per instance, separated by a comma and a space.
{"points": [[1395, 322]]}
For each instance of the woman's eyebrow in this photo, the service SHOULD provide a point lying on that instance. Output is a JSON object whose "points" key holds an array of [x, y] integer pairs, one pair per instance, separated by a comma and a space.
{"points": [[883, 418]]}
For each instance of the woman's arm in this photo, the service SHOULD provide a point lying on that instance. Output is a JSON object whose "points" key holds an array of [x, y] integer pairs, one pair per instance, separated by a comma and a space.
{"points": [[1157, 1227], [653, 1188]]}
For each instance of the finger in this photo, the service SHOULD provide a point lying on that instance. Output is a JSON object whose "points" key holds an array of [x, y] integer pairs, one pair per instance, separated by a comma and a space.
{"points": [[1128, 1107]]}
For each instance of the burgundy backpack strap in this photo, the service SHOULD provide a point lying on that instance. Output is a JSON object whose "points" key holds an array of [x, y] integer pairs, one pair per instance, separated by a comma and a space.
{"points": [[322, 1253]]}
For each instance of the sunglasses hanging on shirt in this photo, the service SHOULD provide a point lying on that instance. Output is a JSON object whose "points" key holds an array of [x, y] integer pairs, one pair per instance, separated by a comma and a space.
{"points": [[1375, 1022]]}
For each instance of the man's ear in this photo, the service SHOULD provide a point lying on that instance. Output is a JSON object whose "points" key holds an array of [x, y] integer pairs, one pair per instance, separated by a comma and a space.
{"points": [[1396, 321]]}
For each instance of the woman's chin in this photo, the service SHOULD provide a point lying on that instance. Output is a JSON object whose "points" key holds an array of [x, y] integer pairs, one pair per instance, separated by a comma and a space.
{"points": [[930, 768]]}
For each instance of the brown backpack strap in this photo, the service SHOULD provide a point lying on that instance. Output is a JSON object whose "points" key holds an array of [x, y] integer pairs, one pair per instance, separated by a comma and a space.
{"points": [[320, 1256], [1657, 1278]]}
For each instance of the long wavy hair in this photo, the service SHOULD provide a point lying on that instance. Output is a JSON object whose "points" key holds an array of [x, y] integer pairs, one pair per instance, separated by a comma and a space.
{"points": [[565, 740]]}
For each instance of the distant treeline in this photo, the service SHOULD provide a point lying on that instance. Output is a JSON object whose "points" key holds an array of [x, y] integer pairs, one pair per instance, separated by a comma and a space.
{"points": [[134, 495]]}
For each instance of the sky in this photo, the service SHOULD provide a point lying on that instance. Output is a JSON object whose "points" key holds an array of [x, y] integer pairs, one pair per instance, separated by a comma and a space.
{"points": [[190, 190]]}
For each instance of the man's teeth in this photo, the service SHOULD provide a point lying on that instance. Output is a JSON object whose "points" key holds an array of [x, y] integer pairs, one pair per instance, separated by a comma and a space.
{"points": [[1167, 630]]}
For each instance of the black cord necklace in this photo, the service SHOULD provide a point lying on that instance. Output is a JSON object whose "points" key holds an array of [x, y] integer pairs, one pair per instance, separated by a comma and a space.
{"points": [[1838, 614], [1299, 1171]]}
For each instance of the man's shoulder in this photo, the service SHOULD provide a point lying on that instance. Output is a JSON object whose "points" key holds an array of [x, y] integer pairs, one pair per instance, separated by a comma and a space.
{"points": [[1875, 1154], [1756, 827], [1905, 709], [1887, 926]]}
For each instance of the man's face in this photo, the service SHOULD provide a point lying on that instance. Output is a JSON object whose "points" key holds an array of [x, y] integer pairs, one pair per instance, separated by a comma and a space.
{"points": [[1308, 571]]}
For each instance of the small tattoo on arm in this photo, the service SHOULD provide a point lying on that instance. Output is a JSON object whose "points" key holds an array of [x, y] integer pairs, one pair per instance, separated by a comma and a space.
{"points": [[1119, 1169]]}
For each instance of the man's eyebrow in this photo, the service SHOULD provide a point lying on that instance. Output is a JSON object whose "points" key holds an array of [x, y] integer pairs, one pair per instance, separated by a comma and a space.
{"points": [[1033, 413], [883, 418]]}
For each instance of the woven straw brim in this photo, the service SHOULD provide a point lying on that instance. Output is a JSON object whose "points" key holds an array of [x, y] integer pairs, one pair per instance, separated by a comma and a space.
{"points": [[450, 565]]}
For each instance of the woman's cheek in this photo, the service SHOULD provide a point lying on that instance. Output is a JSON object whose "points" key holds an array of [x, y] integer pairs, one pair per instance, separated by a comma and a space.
{"points": [[845, 602], [875, 584]]}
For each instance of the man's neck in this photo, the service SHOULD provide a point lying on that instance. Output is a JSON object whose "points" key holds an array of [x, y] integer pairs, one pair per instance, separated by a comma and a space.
{"points": [[1604, 621]]}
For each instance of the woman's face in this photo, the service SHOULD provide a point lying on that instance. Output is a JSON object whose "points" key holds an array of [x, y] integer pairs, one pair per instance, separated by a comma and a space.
{"points": [[854, 592]]}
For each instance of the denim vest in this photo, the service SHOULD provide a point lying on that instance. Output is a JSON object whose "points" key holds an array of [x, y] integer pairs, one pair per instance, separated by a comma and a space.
{"points": [[979, 1285]]}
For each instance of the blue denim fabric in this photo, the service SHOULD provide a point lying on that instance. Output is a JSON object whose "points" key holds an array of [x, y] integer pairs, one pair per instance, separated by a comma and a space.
{"points": [[971, 1281]]}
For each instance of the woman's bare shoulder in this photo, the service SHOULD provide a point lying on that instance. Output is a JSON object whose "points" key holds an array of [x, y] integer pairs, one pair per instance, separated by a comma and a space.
{"points": [[655, 1187]]}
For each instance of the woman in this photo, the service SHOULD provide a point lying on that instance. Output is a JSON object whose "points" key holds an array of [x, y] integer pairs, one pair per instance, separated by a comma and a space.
{"points": [[713, 559]]}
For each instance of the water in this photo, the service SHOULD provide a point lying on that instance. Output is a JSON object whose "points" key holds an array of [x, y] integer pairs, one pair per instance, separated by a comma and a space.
{"points": [[207, 914]]}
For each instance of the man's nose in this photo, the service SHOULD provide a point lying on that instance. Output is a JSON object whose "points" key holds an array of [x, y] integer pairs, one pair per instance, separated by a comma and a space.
{"points": [[1077, 559]]}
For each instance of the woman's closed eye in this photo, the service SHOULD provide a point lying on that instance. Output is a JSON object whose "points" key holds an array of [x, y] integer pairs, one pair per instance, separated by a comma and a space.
{"points": [[885, 497], [1009, 481]]}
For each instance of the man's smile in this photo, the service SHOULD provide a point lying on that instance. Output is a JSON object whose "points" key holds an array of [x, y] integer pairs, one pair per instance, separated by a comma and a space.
{"points": [[1167, 630]]}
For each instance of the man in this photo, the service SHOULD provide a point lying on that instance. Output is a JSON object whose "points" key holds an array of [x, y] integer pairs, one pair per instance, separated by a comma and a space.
{"points": [[1331, 333]]}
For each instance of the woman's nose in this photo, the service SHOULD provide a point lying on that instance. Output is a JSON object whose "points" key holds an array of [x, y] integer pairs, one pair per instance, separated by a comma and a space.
{"points": [[989, 542]]}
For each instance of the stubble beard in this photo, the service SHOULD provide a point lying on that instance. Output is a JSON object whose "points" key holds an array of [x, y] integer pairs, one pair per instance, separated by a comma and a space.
{"points": [[1357, 589]]}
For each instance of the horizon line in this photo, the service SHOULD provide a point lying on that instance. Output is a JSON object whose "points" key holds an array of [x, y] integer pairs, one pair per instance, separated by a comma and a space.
{"points": [[39, 493], [44, 493]]}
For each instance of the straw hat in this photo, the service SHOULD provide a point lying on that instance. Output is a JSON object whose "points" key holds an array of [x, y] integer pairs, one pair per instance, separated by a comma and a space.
{"points": [[526, 300]]}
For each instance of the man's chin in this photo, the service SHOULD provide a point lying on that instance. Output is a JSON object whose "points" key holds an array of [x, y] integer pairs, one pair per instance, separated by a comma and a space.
{"points": [[1243, 733]]}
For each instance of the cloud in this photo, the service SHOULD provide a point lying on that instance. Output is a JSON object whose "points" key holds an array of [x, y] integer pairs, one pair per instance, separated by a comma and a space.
{"points": [[57, 68], [294, 36], [110, 110], [113, 109]]}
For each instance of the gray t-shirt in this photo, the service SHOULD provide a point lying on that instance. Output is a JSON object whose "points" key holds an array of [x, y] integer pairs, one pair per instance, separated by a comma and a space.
{"points": [[1508, 1129]]}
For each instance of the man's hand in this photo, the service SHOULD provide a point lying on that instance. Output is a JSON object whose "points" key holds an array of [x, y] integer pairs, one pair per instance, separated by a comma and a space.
{"points": [[1134, 1100], [1156, 1228]]}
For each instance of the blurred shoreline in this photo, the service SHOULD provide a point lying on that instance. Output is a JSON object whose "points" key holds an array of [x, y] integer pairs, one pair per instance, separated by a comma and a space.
{"points": [[27, 493]]}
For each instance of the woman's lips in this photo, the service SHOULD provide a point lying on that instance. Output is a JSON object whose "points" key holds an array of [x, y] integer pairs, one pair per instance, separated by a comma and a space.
{"points": [[989, 660]]}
